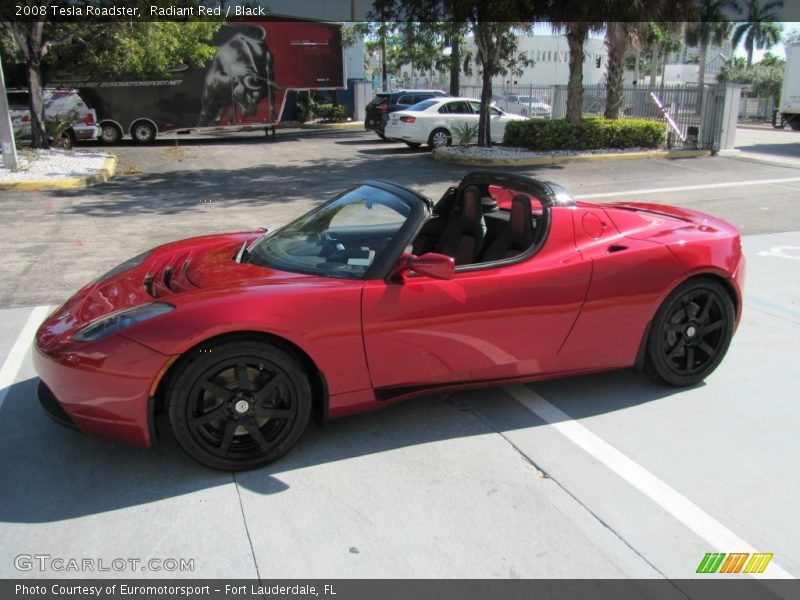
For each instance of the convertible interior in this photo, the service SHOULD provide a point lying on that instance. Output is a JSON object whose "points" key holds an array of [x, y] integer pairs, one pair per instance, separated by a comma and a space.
{"points": [[481, 223]]}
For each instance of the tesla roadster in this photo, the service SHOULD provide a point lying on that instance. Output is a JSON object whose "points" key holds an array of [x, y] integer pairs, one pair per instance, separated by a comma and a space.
{"points": [[379, 295]]}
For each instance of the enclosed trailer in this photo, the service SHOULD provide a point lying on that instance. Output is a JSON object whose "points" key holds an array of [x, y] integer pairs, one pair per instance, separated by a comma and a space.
{"points": [[243, 88]]}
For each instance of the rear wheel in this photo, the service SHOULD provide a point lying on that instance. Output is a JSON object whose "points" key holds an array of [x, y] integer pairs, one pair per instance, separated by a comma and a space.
{"points": [[439, 138], [239, 405], [110, 133], [143, 132], [795, 123], [690, 333]]}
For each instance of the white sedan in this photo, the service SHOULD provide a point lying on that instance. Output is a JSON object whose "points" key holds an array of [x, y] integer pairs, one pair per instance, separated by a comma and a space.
{"points": [[436, 122]]}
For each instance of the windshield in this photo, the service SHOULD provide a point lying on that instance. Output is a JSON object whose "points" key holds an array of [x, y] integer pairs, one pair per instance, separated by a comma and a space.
{"points": [[341, 238], [421, 105]]}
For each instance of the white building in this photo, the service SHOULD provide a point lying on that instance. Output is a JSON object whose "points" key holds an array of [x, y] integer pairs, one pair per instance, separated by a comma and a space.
{"points": [[550, 54]]}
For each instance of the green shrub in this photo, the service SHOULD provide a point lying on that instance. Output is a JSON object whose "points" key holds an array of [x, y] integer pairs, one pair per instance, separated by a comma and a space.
{"points": [[332, 112], [592, 133]]}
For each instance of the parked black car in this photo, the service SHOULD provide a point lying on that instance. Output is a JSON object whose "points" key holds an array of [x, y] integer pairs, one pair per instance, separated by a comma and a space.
{"points": [[388, 102]]}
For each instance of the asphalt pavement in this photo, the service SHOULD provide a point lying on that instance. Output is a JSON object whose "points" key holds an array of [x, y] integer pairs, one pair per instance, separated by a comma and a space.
{"points": [[597, 476]]}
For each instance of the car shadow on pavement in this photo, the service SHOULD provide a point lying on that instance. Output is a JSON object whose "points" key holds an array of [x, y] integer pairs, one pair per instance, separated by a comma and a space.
{"points": [[50, 473]]}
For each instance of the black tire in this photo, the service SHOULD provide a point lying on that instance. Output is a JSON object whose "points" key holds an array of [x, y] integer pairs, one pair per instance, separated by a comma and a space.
{"points": [[69, 134], [413, 144], [690, 333], [143, 132], [238, 405], [795, 123], [439, 138], [110, 133]]}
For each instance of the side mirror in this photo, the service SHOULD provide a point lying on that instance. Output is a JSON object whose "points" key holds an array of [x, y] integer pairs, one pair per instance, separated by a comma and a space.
{"points": [[433, 265]]}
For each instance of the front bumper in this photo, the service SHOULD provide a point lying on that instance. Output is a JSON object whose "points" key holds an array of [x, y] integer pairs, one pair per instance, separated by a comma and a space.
{"points": [[101, 388], [51, 407]]}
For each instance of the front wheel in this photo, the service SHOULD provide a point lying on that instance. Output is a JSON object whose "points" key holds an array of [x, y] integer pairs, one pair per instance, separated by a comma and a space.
{"points": [[691, 333], [239, 405], [439, 138], [143, 132]]}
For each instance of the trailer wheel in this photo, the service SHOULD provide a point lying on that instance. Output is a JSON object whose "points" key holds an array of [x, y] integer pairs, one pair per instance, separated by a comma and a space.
{"points": [[143, 132], [795, 123], [110, 133]]}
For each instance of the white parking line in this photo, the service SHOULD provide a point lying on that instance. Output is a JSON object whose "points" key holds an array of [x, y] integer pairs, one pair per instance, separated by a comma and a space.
{"points": [[686, 188], [13, 362], [684, 510]]}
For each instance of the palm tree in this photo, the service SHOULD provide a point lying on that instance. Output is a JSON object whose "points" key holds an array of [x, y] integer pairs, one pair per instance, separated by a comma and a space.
{"points": [[620, 36], [710, 28], [576, 33], [759, 30]]}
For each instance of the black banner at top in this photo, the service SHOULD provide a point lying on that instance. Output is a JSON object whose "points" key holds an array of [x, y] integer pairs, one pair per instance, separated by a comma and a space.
{"points": [[521, 11]]}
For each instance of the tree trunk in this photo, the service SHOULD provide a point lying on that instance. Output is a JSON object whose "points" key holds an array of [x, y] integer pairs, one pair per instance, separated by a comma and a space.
{"points": [[455, 65], [383, 57], [701, 77], [637, 68], [654, 60], [487, 52], [33, 61], [749, 54], [576, 37], [616, 43], [485, 123]]}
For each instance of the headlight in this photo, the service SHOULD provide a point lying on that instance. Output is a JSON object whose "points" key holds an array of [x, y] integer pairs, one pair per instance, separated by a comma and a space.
{"points": [[128, 264], [117, 321]]}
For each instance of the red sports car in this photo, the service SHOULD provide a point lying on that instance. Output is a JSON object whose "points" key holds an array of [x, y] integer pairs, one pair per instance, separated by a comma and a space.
{"points": [[379, 295]]}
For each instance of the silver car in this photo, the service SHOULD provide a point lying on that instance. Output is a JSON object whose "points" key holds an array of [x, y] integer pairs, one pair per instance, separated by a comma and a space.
{"points": [[58, 104], [527, 106]]}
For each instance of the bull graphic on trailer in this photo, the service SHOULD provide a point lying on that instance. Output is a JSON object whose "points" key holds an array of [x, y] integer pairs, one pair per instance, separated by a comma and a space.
{"points": [[238, 79], [242, 88]]}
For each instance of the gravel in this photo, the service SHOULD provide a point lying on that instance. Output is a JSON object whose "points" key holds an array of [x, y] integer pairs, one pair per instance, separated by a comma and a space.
{"points": [[35, 165], [511, 152]]}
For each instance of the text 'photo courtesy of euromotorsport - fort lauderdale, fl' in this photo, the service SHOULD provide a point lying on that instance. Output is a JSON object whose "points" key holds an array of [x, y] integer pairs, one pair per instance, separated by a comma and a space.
{"points": [[250, 590]]}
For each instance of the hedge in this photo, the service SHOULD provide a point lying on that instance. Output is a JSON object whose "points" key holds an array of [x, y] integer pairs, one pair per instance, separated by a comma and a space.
{"points": [[592, 133], [331, 112]]}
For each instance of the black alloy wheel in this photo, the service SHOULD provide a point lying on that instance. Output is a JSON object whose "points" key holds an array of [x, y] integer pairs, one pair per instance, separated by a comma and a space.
{"points": [[239, 405], [690, 333]]}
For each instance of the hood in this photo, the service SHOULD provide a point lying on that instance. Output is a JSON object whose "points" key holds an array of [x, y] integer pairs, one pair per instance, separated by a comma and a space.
{"points": [[168, 272]]}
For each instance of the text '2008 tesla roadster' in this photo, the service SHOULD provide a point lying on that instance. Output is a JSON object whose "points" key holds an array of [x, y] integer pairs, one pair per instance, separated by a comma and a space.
{"points": [[379, 295]]}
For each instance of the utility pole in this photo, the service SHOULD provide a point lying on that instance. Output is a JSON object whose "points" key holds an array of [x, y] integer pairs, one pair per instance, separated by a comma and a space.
{"points": [[6, 132]]}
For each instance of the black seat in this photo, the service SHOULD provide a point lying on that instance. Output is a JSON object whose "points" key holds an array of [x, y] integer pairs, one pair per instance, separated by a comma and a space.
{"points": [[465, 229], [518, 234]]}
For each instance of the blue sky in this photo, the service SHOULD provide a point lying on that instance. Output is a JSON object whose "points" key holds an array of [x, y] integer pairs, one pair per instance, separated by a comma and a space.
{"points": [[545, 29]]}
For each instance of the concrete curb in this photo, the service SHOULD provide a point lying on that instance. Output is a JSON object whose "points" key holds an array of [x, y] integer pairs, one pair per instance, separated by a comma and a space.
{"points": [[71, 183], [554, 160]]}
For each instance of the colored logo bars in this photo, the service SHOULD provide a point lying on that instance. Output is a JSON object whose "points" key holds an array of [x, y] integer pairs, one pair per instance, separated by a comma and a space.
{"points": [[719, 562]]}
